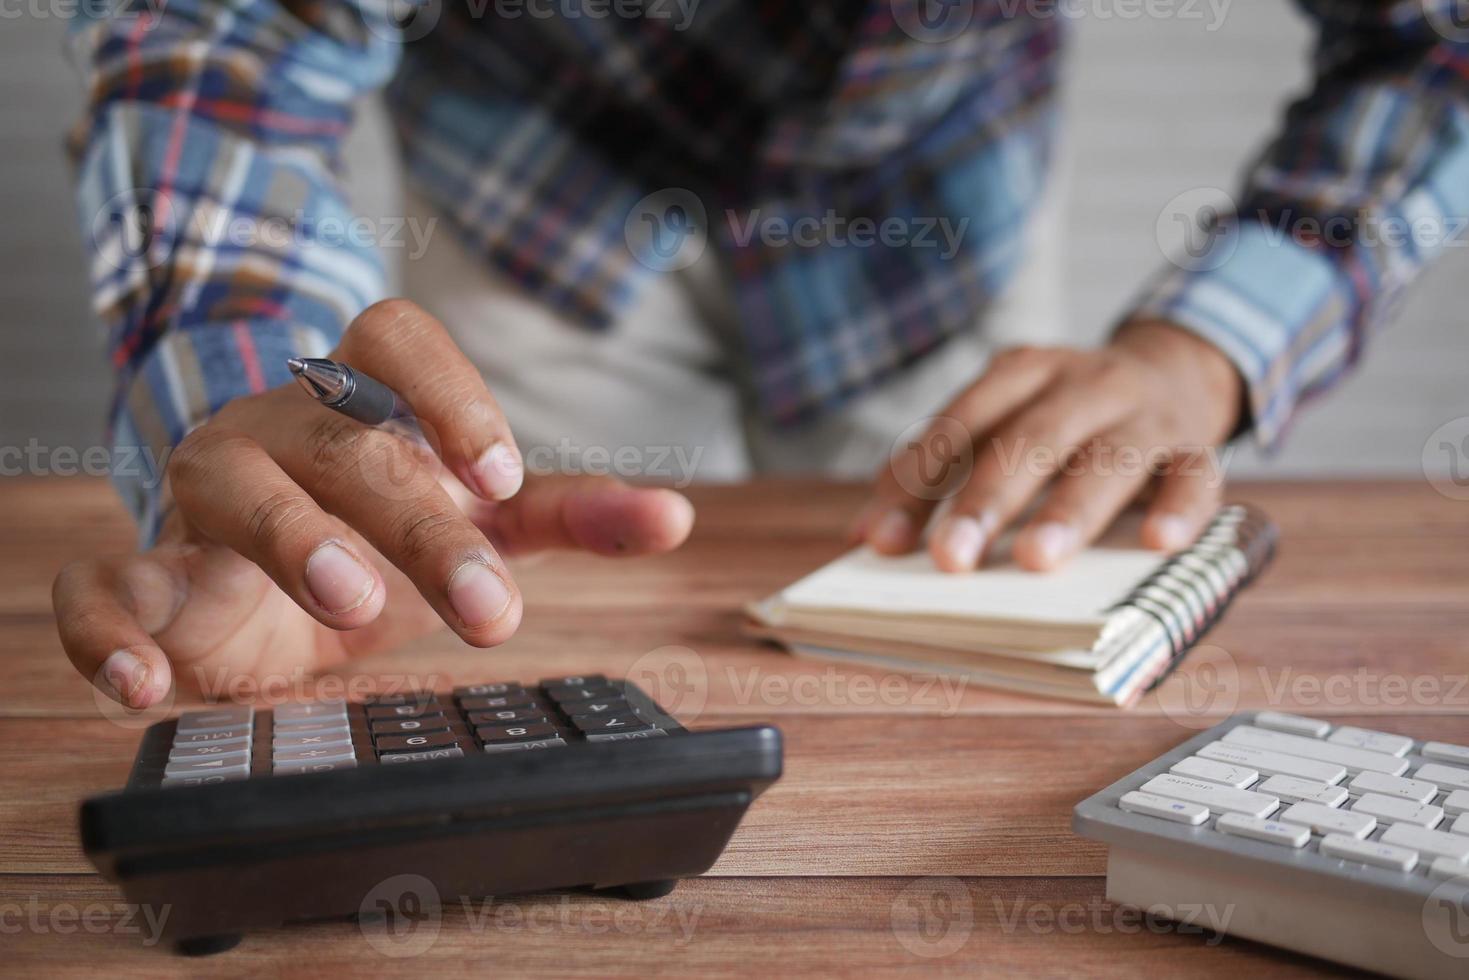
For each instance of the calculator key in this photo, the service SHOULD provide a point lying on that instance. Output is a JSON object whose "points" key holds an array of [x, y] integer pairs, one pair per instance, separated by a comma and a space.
{"points": [[1178, 811], [328, 753], [1292, 724], [1408, 789], [238, 751], [411, 743], [325, 728], [1460, 824], [306, 724], [412, 697], [1212, 795], [232, 735], [516, 733], [1444, 752], [427, 755], [488, 690], [406, 726], [314, 741], [593, 692], [1364, 738], [225, 776], [216, 719], [1327, 820], [304, 711], [1269, 831], [540, 743], [1444, 775], [1456, 802], [625, 736], [1395, 809], [1354, 759], [592, 724], [506, 715], [1435, 843], [1292, 789], [607, 706], [1216, 772], [378, 711], [1448, 868], [494, 702], [1371, 852], [575, 680], [292, 768], [1274, 763], [201, 767]]}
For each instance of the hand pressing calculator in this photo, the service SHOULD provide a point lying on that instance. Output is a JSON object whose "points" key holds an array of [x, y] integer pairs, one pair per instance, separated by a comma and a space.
{"points": [[238, 819]]}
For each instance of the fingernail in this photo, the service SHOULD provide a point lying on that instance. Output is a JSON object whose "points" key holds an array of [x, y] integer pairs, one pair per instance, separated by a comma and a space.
{"points": [[960, 539], [339, 582], [477, 594], [1053, 541], [499, 472], [1171, 530], [127, 674], [892, 531]]}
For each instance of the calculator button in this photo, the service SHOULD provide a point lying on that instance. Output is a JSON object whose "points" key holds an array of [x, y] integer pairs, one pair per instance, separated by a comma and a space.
{"points": [[516, 733], [428, 755], [408, 743], [298, 712], [576, 680], [625, 736], [216, 719], [328, 753], [232, 735], [314, 741], [307, 724], [540, 743], [237, 750], [591, 692], [328, 728], [505, 716], [202, 767], [609, 723], [291, 768], [606, 706], [412, 697], [488, 690], [204, 780], [496, 702], [402, 710], [406, 726]]}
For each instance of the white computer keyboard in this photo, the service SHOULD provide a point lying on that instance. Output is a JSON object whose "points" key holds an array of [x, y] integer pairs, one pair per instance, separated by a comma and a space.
{"points": [[1341, 842]]}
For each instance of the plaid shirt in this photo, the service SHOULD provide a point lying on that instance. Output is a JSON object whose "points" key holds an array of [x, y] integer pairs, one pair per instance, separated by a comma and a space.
{"points": [[219, 234]]}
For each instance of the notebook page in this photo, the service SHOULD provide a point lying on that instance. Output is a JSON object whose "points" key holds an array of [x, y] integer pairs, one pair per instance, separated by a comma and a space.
{"points": [[1078, 593]]}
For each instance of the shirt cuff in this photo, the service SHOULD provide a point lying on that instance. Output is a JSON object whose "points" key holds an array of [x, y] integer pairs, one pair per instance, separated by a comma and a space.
{"points": [[1281, 311]]}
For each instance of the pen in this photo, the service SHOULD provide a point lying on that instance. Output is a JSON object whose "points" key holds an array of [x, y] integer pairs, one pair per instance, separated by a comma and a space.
{"points": [[356, 395]]}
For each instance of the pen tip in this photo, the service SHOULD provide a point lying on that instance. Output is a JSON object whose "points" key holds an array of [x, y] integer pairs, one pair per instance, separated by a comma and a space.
{"points": [[297, 365]]}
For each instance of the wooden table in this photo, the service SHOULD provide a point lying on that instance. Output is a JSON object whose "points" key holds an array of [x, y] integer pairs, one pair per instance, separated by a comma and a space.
{"points": [[918, 827]]}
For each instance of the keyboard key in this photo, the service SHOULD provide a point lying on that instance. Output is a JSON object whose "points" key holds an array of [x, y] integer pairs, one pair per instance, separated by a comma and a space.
{"points": [[427, 755], [606, 706], [540, 743], [1292, 789], [1212, 795], [1448, 868], [203, 767], [505, 716], [389, 711], [411, 743], [313, 740], [1435, 843], [1395, 809], [238, 751], [1444, 775], [576, 680], [1326, 820], [1364, 738], [1444, 752], [1408, 789], [216, 719], [600, 692], [232, 735], [224, 776], [310, 722], [625, 736], [296, 713], [411, 697], [329, 753], [1274, 763], [406, 726], [595, 724], [1456, 802], [496, 702], [1460, 825], [1371, 852], [516, 733], [1216, 772], [488, 690], [1292, 724], [295, 768], [1179, 811], [1355, 760], [1269, 831]]}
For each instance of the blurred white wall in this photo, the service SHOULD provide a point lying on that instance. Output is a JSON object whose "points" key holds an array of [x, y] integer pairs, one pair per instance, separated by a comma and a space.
{"points": [[1155, 107]]}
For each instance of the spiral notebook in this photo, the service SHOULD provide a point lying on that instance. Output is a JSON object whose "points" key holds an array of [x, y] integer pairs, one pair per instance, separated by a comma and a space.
{"points": [[1105, 627]]}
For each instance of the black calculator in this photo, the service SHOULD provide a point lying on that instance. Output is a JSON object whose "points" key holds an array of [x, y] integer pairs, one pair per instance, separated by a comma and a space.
{"points": [[238, 818]]}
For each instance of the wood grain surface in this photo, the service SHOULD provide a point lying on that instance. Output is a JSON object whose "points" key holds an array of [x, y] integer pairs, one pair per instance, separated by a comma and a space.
{"points": [[921, 826]]}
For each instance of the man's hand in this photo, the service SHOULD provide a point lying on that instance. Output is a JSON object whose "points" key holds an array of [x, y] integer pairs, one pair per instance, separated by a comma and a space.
{"points": [[301, 538], [1095, 427]]}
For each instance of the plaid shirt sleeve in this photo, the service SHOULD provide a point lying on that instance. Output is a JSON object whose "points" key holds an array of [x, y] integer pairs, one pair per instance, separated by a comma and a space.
{"points": [[1368, 180], [219, 240]]}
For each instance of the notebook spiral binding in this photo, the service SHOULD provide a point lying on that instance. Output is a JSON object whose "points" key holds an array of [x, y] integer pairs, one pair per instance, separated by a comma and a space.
{"points": [[1189, 592]]}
